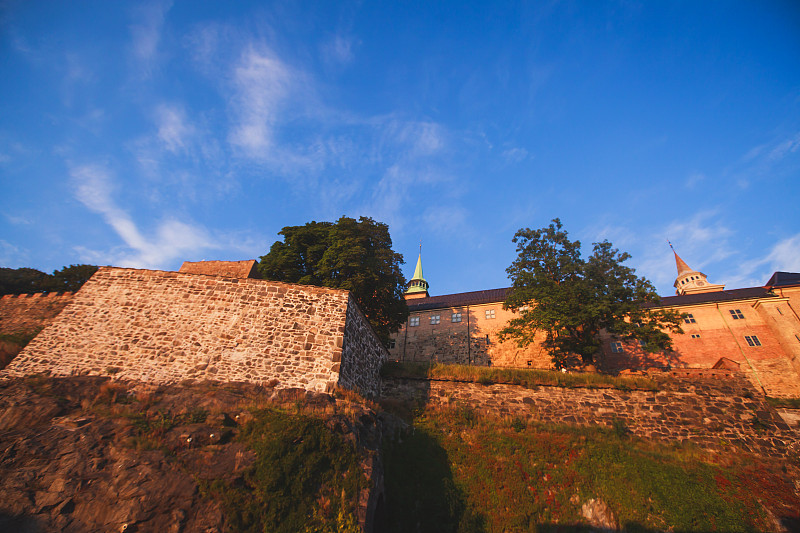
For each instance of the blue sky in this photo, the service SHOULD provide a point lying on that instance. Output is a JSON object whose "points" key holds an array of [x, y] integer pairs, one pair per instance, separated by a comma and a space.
{"points": [[148, 133]]}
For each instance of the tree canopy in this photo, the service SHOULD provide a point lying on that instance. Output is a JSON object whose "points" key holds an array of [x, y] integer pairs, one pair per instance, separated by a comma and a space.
{"points": [[347, 254], [570, 300], [29, 280]]}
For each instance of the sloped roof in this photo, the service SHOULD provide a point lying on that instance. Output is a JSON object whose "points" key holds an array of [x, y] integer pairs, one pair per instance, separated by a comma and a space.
{"points": [[459, 300], [718, 296], [780, 279]]}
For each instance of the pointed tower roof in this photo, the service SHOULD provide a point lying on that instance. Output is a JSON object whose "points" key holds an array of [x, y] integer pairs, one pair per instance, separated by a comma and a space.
{"points": [[417, 287], [418, 270], [681, 264]]}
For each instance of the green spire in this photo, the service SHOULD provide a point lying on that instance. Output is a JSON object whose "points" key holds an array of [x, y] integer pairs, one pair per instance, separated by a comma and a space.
{"points": [[418, 283]]}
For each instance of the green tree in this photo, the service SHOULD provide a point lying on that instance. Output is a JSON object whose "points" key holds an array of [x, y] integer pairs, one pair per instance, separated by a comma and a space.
{"points": [[571, 300], [22, 280], [347, 254], [71, 278]]}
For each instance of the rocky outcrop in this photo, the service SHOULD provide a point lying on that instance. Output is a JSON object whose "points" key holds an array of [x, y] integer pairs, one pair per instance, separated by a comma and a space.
{"points": [[84, 454]]}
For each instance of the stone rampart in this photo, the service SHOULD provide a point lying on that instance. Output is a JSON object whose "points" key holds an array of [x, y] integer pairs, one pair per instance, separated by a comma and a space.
{"points": [[714, 411], [166, 327]]}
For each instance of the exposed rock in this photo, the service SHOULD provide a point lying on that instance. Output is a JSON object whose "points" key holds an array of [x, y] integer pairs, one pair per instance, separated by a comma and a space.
{"points": [[599, 514]]}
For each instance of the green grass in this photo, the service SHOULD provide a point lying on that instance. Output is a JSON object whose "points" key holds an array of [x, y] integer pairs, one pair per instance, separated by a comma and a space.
{"points": [[460, 472], [305, 478], [522, 377], [786, 403]]}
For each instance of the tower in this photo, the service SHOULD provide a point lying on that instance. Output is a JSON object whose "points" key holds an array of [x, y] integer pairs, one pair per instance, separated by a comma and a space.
{"points": [[417, 287], [691, 281]]}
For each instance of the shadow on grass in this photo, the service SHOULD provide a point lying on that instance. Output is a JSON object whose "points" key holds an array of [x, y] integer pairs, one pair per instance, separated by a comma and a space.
{"points": [[421, 495]]}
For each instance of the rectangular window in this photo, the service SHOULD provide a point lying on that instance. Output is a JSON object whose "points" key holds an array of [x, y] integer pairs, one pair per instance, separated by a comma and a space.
{"points": [[752, 340], [616, 347], [435, 319], [391, 344], [695, 335], [736, 314], [487, 340], [413, 321], [490, 313], [456, 317], [689, 319]]}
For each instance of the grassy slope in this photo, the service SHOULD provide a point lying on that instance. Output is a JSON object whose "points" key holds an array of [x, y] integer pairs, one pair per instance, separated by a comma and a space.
{"points": [[459, 472]]}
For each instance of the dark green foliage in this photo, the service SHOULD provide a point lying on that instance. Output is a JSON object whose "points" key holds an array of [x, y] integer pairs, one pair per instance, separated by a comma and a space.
{"points": [[305, 478], [349, 254], [570, 300], [30, 280], [71, 278], [22, 280]]}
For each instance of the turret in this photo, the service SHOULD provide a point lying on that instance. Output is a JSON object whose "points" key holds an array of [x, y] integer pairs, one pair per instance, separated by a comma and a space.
{"points": [[417, 287], [691, 281]]}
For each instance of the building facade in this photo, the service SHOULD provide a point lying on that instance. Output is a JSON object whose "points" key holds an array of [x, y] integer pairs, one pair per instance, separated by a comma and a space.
{"points": [[754, 330]]}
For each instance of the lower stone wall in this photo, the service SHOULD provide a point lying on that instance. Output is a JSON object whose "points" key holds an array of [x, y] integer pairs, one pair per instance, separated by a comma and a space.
{"points": [[713, 411], [362, 354]]}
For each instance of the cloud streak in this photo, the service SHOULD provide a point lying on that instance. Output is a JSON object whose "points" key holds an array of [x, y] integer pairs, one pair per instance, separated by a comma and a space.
{"points": [[172, 239]]}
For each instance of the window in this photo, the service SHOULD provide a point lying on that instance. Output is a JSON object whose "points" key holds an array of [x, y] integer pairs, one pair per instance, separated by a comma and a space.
{"points": [[435, 319], [456, 317], [616, 347], [752, 340], [736, 314], [690, 319], [413, 321], [391, 344], [695, 335], [490, 313]]}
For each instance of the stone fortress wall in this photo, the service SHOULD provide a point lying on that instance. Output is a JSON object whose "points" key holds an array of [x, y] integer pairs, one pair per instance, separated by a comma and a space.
{"points": [[165, 327]]}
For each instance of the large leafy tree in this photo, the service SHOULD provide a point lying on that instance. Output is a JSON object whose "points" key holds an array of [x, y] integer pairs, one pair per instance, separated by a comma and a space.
{"points": [[571, 300], [347, 254]]}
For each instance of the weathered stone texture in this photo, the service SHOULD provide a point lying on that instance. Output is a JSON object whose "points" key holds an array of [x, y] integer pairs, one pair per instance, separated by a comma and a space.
{"points": [[29, 312], [712, 411], [362, 354], [165, 327]]}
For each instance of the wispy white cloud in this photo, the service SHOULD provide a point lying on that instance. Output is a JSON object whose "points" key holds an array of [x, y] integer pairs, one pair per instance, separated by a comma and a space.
{"points": [[146, 31], [338, 50], [515, 155], [173, 129], [262, 83], [783, 256], [172, 239], [694, 179]]}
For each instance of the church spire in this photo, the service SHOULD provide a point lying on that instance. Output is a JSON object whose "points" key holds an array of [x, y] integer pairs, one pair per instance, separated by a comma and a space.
{"points": [[417, 287], [691, 281]]}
